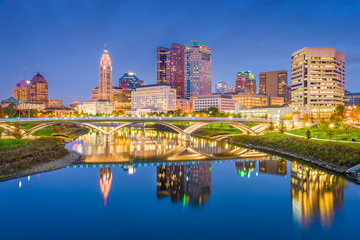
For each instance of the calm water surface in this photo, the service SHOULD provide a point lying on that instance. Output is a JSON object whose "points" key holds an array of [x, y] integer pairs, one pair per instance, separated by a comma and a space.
{"points": [[151, 186]]}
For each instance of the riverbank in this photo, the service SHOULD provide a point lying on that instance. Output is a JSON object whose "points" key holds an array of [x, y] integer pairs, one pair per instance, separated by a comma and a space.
{"points": [[332, 156], [39, 155]]}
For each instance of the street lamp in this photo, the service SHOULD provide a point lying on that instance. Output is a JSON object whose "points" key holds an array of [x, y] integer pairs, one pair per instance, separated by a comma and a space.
{"points": [[331, 125]]}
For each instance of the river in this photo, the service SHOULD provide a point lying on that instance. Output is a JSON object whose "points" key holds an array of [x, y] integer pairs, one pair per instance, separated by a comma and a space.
{"points": [[153, 186]]}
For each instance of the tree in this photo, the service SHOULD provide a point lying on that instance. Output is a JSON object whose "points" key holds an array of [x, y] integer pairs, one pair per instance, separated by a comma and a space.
{"points": [[322, 125], [271, 127], [339, 114], [1, 112], [330, 131], [346, 128], [282, 127], [308, 133], [16, 133]]}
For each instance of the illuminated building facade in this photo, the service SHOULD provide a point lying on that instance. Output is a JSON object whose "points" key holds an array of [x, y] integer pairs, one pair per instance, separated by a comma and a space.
{"points": [[317, 80], [122, 98], [352, 98], [287, 97], [245, 82], [105, 89], [56, 103], [183, 105], [157, 98], [96, 107], [198, 59], [130, 80], [273, 83], [222, 103], [222, 87], [257, 100], [21, 91], [39, 90], [170, 67]]}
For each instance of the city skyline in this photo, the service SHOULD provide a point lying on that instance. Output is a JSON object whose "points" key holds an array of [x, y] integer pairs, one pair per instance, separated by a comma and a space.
{"points": [[50, 55]]}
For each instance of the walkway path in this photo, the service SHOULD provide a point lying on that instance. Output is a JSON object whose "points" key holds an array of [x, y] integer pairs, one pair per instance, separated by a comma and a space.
{"points": [[320, 139]]}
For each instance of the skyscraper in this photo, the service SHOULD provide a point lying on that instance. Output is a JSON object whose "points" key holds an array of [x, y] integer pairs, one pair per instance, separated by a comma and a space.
{"points": [[170, 67], [245, 82], [130, 80], [21, 90], [317, 80], [38, 90], [198, 60], [273, 83], [105, 90]]}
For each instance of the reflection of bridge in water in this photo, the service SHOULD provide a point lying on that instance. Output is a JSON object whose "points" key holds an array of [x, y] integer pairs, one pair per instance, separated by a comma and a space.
{"points": [[142, 149], [184, 174]]}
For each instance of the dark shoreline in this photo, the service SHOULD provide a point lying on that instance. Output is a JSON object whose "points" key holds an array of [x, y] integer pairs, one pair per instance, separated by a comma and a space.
{"points": [[62, 162]]}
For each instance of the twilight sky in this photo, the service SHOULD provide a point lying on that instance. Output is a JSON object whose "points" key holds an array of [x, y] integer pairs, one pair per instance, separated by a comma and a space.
{"points": [[64, 40]]}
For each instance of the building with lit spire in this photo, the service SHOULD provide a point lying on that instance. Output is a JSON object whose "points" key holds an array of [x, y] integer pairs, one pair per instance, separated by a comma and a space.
{"points": [[105, 89]]}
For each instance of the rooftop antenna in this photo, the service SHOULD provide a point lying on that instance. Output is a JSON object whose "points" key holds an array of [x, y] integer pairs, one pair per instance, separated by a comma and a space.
{"points": [[25, 73], [105, 46]]}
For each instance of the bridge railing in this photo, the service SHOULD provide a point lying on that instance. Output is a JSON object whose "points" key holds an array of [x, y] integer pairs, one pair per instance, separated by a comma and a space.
{"points": [[134, 118]]}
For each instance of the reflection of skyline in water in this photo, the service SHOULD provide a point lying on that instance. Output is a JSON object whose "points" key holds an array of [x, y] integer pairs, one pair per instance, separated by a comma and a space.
{"points": [[105, 182], [191, 184], [315, 195]]}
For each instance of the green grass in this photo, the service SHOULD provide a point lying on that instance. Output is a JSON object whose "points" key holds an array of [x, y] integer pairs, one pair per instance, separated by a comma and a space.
{"points": [[30, 154], [44, 132], [6, 143], [336, 154], [339, 135]]}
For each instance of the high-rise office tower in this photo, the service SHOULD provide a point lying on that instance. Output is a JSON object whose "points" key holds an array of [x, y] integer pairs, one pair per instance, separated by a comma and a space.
{"points": [[245, 82], [317, 80], [198, 60], [105, 78], [38, 90], [105, 89], [170, 67], [21, 90], [273, 83], [130, 80]]}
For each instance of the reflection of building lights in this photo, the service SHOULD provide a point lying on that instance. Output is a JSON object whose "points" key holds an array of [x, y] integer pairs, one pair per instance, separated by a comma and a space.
{"points": [[20, 184]]}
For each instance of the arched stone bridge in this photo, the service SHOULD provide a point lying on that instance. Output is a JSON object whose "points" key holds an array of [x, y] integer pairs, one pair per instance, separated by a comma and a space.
{"points": [[91, 122]]}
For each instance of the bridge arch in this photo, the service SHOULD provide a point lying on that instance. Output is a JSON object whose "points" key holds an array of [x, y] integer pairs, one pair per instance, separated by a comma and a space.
{"points": [[44, 125], [236, 125], [175, 128]]}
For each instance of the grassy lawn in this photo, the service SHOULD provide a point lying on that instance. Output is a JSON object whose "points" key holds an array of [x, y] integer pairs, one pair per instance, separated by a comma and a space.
{"points": [[339, 135], [44, 132], [337, 154], [4, 143]]}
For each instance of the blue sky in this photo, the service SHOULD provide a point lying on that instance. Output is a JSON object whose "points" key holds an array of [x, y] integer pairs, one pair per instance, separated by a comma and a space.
{"points": [[64, 40]]}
